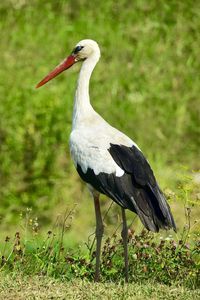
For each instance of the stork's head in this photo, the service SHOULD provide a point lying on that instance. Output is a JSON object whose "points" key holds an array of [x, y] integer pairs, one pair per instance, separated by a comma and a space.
{"points": [[85, 49]]}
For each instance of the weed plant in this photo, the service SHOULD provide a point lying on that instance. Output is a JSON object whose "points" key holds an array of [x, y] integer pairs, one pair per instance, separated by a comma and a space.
{"points": [[152, 258]]}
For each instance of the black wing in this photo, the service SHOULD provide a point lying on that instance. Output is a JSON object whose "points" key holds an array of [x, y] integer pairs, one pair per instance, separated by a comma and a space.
{"points": [[136, 190]]}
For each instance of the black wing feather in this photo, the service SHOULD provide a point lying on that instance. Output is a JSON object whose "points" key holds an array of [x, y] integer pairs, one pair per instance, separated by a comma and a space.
{"points": [[136, 190], [133, 162], [147, 194]]}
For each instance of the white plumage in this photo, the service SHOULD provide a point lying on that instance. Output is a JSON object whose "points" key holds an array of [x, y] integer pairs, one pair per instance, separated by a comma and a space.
{"points": [[89, 146], [91, 135]]}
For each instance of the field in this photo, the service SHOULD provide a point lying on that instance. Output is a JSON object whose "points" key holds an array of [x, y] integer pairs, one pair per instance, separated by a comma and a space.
{"points": [[48, 288], [147, 85]]}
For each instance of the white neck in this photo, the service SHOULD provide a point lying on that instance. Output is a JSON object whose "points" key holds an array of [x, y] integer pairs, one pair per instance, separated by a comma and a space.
{"points": [[82, 106]]}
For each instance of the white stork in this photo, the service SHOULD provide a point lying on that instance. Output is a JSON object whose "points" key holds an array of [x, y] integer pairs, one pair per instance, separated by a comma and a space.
{"points": [[108, 160]]}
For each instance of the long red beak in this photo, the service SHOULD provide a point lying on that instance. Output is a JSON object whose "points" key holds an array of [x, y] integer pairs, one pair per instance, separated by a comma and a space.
{"points": [[66, 64]]}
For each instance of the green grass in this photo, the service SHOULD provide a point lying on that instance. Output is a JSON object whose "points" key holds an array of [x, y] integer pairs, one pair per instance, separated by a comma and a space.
{"points": [[146, 84], [152, 258], [48, 288]]}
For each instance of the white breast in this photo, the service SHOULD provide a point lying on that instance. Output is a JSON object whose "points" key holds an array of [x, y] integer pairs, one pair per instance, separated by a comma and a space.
{"points": [[89, 147]]}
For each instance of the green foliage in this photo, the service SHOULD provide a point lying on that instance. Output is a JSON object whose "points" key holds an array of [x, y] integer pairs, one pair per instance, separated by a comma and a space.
{"points": [[147, 85], [148, 76], [170, 261], [165, 261]]}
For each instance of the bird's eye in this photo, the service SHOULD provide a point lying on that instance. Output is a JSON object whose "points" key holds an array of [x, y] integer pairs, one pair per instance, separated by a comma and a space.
{"points": [[77, 49]]}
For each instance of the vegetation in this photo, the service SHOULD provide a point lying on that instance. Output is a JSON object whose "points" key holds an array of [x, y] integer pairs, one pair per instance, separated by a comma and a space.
{"points": [[165, 261], [147, 85], [48, 288]]}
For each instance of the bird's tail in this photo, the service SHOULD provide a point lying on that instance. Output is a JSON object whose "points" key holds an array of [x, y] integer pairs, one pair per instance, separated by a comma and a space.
{"points": [[152, 208]]}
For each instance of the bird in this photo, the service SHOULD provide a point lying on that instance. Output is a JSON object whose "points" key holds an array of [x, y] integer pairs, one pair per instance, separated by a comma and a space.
{"points": [[109, 161]]}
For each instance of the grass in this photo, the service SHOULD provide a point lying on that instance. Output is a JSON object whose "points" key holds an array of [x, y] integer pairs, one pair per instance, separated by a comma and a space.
{"points": [[149, 89], [146, 84], [156, 259], [48, 288]]}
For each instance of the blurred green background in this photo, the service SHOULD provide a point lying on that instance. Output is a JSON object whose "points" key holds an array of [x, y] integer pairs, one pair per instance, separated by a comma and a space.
{"points": [[146, 84]]}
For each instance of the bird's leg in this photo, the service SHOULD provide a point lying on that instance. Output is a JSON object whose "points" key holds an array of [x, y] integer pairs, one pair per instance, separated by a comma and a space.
{"points": [[99, 234], [124, 235]]}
